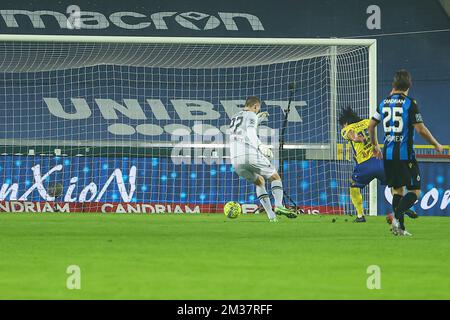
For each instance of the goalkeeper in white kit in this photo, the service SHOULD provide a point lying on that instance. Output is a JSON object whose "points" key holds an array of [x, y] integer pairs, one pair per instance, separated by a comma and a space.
{"points": [[250, 158]]}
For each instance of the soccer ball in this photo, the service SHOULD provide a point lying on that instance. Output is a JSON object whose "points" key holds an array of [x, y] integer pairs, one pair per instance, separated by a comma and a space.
{"points": [[232, 210]]}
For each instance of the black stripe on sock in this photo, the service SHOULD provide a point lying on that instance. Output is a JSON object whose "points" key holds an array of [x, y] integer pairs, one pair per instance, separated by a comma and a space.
{"points": [[276, 188], [263, 196]]}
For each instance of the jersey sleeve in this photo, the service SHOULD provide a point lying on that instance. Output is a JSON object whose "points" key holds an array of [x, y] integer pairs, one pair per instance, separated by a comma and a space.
{"points": [[377, 115], [414, 113]]}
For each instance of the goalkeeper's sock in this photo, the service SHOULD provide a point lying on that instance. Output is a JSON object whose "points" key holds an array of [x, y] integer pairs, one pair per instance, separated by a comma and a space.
{"points": [[277, 192], [263, 197], [356, 196]]}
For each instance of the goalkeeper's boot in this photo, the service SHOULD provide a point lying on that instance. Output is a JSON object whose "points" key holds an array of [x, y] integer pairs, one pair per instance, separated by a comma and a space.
{"points": [[285, 212], [360, 219], [411, 213], [273, 220]]}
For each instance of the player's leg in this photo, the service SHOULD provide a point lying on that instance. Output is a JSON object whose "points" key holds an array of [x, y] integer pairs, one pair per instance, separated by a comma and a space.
{"points": [[357, 200], [411, 213], [407, 201], [399, 221], [401, 201], [267, 171], [363, 174], [411, 173], [278, 192], [394, 179], [381, 176], [277, 189], [263, 197], [360, 172], [249, 173]]}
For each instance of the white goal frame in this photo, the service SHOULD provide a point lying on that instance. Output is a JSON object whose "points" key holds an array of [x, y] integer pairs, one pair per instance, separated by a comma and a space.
{"points": [[371, 45]]}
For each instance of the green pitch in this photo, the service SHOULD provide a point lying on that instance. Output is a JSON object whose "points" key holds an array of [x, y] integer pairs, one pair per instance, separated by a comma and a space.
{"points": [[212, 257]]}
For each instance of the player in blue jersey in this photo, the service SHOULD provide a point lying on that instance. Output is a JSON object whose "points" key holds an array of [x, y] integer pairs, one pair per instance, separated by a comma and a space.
{"points": [[401, 117]]}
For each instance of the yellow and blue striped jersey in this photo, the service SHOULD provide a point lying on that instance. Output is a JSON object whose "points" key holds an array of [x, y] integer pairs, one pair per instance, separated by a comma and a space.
{"points": [[362, 151]]}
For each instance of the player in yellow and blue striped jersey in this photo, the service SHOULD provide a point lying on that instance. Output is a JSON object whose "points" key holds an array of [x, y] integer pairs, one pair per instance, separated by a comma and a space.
{"points": [[367, 167]]}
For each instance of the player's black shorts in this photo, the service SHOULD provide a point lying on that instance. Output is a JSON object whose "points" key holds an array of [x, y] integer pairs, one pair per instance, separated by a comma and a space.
{"points": [[401, 173]]}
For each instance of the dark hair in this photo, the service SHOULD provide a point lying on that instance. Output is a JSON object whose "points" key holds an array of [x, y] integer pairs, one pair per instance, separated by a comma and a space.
{"points": [[402, 80], [348, 116], [251, 101]]}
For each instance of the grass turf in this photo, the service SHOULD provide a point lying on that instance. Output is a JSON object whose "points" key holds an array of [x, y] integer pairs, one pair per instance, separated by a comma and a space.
{"points": [[212, 257]]}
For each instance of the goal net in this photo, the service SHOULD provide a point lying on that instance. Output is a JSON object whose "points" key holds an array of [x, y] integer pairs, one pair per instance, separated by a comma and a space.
{"points": [[117, 124]]}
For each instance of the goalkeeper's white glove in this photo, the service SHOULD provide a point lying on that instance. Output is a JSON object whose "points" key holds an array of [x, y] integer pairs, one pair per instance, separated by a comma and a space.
{"points": [[262, 116], [266, 151]]}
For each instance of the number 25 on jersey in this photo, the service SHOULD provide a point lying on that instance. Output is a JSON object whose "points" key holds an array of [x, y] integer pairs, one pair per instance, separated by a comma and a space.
{"points": [[395, 114]]}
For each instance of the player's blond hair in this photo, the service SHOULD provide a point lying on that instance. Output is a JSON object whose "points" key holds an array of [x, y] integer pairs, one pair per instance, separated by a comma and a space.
{"points": [[251, 101]]}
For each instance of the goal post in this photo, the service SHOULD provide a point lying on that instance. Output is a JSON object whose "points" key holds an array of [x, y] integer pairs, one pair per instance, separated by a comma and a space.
{"points": [[139, 124], [373, 186]]}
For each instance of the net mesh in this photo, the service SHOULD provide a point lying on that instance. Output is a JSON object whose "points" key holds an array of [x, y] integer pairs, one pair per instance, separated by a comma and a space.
{"points": [[145, 125]]}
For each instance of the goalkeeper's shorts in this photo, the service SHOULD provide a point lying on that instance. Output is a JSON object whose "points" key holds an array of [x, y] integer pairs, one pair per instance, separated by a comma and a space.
{"points": [[250, 167]]}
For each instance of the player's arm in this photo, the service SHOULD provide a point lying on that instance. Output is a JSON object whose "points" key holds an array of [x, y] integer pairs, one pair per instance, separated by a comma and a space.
{"points": [[254, 139], [376, 118], [421, 129], [426, 134], [253, 136], [262, 116], [351, 135]]}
